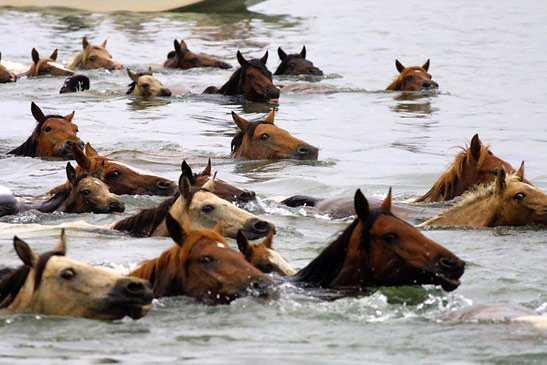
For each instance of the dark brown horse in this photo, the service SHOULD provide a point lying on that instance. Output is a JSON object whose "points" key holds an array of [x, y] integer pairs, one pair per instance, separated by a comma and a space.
{"points": [[379, 249], [46, 66], [296, 64], [53, 136], [203, 266], [414, 78], [252, 80], [183, 58], [94, 56], [5, 75], [262, 139]]}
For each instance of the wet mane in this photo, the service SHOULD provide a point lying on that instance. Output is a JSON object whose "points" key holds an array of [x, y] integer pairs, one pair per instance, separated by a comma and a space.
{"points": [[285, 63], [398, 82], [28, 148], [238, 138]]}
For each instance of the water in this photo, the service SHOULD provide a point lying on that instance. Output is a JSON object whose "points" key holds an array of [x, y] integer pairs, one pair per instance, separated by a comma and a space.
{"points": [[489, 59]]}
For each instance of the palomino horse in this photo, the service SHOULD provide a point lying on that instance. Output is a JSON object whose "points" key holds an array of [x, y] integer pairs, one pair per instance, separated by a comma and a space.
{"points": [[296, 64], [263, 256], [85, 194], [183, 58], [379, 249], [508, 201], [46, 66], [53, 284], [201, 265], [5, 75], [473, 166], [413, 78], [93, 57], [145, 85], [202, 209], [75, 84], [53, 136], [262, 139], [252, 80]]}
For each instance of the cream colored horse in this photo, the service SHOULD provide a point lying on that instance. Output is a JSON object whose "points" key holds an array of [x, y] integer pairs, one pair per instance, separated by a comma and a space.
{"points": [[146, 85], [93, 56]]}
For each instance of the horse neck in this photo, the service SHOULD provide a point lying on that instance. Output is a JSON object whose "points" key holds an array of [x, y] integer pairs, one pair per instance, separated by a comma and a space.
{"points": [[396, 84], [23, 298], [69, 205], [28, 148], [481, 211], [233, 85], [449, 184], [76, 61], [58, 200]]}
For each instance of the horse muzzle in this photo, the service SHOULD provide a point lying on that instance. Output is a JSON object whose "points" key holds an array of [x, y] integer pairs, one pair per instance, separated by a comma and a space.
{"points": [[66, 150], [447, 272], [165, 92], [246, 196], [162, 188], [271, 93], [130, 297], [224, 65], [256, 228], [116, 206], [262, 288], [114, 66], [430, 85], [306, 152], [315, 72]]}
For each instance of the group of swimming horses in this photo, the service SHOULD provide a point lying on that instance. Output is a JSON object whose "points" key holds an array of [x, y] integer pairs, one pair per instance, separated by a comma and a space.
{"points": [[378, 248]]}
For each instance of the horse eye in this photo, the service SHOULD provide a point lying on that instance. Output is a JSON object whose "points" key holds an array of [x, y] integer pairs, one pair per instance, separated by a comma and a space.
{"points": [[113, 174], [409, 78], [145, 85], [205, 260], [494, 172], [264, 136], [47, 69], [291, 64], [47, 129], [85, 192], [68, 274], [265, 268], [251, 76], [519, 196], [92, 58], [207, 208], [390, 237]]}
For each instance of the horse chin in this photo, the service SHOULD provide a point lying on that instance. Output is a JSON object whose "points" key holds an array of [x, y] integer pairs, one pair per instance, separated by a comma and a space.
{"points": [[445, 282]]}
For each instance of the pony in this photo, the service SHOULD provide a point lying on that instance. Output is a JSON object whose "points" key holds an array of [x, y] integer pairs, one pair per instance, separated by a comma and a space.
{"points": [[508, 201], [202, 209], [145, 85], [413, 78], [263, 256], [5, 75], [93, 56], [296, 64], [201, 265], [53, 136], [53, 284], [473, 165], [262, 139], [379, 249], [46, 66], [252, 80], [74, 84], [185, 59]]}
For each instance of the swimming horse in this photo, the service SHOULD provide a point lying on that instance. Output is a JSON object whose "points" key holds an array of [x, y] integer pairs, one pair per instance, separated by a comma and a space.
{"points": [[45, 66], [145, 85], [5, 75], [53, 284], [185, 59], [92, 57], [296, 64], [414, 78], [75, 84]]}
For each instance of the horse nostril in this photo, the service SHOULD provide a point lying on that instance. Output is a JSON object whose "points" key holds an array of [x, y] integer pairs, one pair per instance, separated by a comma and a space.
{"points": [[134, 288], [303, 150], [69, 143], [426, 84], [164, 184], [261, 226], [247, 196], [447, 263], [165, 92], [116, 206]]}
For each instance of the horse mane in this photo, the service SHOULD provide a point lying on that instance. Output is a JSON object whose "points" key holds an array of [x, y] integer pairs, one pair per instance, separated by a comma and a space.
{"points": [[238, 138], [76, 60], [285, 63], [28, 148], [396, 84]]}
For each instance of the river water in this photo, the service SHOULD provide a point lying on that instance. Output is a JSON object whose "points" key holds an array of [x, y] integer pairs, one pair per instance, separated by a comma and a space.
{"points": [[489, 60]]}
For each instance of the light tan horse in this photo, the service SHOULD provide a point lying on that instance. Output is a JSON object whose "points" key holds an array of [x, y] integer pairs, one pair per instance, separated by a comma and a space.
{"points": [[5, 75], [145, 85], [413, 78], [46, 66], [93, 56], [53, 284], [508, 201]]}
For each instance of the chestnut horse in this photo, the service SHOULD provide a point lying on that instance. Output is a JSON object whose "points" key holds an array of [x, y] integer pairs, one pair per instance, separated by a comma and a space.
{"points": [[53, 284], [262, 139], [252, 80], [414, 78], [145, 85], [183, 58], [53, 136], [92, 57], [508, 201], [46, 66], [379, 249], [201, 265], [263, 256], [5, 75], [296, 64]]}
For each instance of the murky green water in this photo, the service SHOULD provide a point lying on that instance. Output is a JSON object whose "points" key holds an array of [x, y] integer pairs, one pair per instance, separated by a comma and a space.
{"points": [[489, 59]]}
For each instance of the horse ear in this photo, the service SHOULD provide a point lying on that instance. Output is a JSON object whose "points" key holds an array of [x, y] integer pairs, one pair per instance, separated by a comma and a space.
{"points": [[54, 55], [475, 147], [90, 151], [149, 72], [70, 173], [60, 246], [132, 76], [303, 52], [0, 56], [270, 117], [104, 43], [210, 184], [80, 157], [37, 113], [500, 180], [183, 45], [386, 204], [269, 239], [187, 171], [70, 116], [399, 66], [175, 230], [25, 253], [219, 227], [178, 51], [35, 55], [426, 65], [242, 61], [361, 205], [282, 54], [241, 122], [243, 244], [99, 173], [207, 170], [264, 58], [184, 186], [85, 43], [520, 172]]}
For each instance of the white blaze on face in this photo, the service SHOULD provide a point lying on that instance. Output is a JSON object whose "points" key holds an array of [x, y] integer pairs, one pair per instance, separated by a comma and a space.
{"points": [[220, 245], [278, 260]]}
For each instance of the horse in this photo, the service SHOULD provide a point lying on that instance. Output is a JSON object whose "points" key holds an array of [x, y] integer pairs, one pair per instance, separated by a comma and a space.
{"points": [[262, 139], [75, 84], [508, 201], [413, 78], [53, 136], [201, 265], [5, 75], [8, 202], [263, 256], [46, 66], [202, 209], [379, 249], [296, 64], [145, 85], [93, 56], [473, 165], [185, 59], [53, 284], [252, 80]]}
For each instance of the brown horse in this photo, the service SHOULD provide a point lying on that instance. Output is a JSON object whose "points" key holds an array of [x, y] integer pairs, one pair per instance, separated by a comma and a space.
{"points": [[53, 284], [201, 265], [379, 249], [183, 58], [262, 139], [252, 80], [53, 136], [296, 64], [92, 57], [508, 201], [473, 166], [414, 78], [145, 85], [5, 75], [263, 256], [46, 66]]}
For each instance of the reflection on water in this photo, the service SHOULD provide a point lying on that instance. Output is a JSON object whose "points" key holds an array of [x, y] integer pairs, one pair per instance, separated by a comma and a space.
{"points": [[138, 103], [413, 104]]}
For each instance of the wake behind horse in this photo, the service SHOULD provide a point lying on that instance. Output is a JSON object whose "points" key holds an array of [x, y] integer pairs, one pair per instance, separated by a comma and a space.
{"points": [[414, 78], [185, 59], [92, 57]]}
